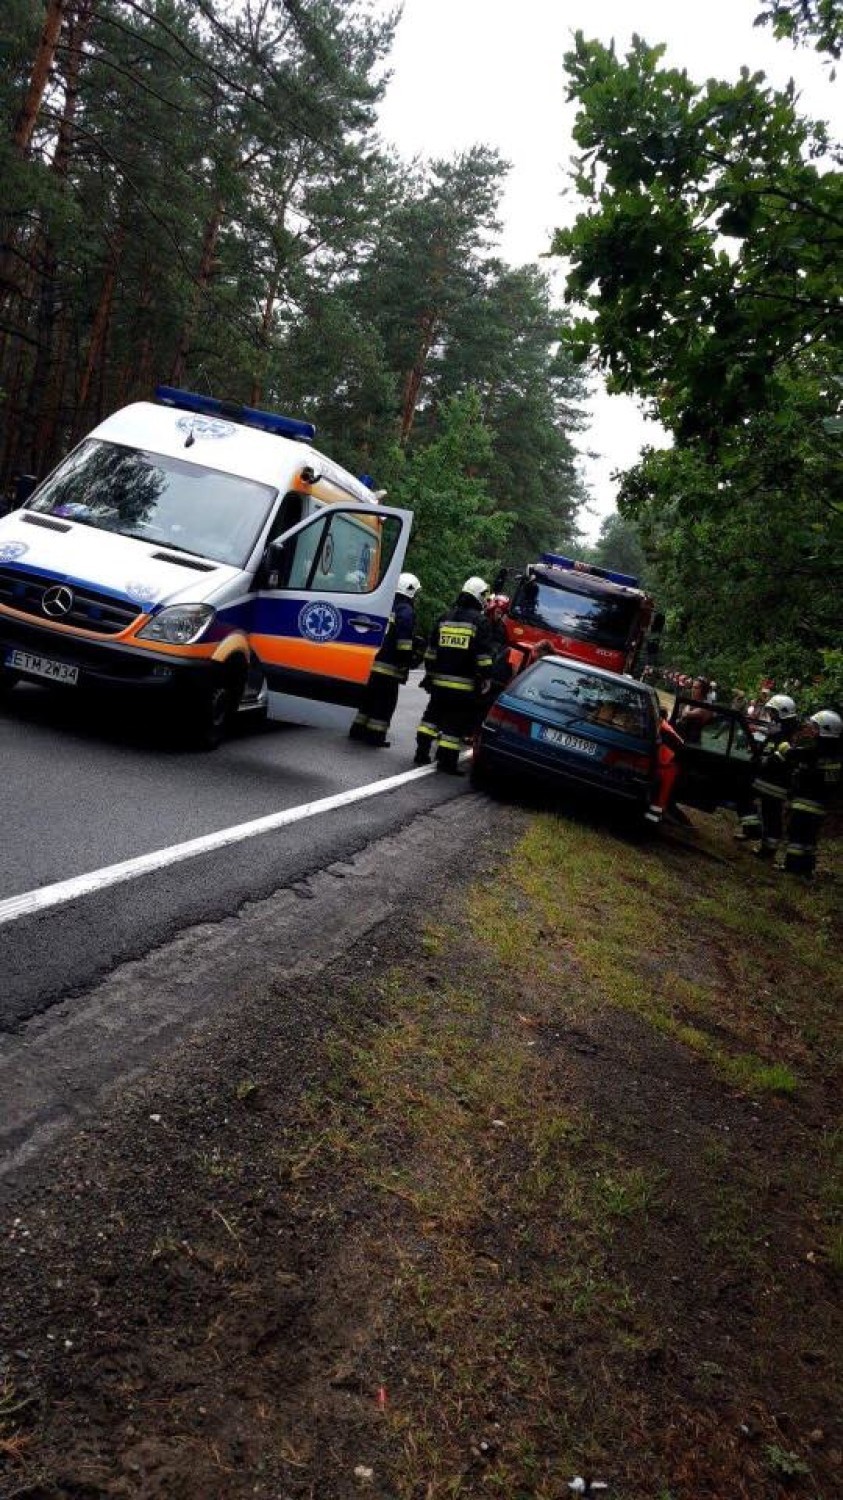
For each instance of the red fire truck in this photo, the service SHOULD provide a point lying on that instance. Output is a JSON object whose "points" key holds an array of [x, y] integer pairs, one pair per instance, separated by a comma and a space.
{"points": [[582, 611]]}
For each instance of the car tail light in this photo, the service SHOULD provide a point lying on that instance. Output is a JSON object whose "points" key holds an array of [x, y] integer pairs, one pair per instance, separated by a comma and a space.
{"points": [[630, 759], [504, 718]]}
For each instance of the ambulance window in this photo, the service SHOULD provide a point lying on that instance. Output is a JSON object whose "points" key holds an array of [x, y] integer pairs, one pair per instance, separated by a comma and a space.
{"points": [[342, 554], [288, 514]]}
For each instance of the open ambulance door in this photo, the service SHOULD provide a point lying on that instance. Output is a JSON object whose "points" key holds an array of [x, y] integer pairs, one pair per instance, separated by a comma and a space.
{"points": [[324, 594], [718, 762]]}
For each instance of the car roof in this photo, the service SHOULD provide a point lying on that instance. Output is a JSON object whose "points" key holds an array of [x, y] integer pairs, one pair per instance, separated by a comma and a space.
{"points": [[586, 668]]}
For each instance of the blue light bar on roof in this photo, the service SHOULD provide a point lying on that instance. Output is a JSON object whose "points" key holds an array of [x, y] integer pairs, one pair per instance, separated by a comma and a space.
{"points": [[626, 580], [247, 416]]}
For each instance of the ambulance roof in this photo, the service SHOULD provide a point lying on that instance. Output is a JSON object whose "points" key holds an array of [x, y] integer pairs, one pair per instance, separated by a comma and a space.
{"points": [[218, 443]]}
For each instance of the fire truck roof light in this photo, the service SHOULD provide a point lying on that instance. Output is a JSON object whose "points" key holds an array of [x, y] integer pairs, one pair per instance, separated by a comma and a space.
{"points": [[248, 416], [626, 580]]}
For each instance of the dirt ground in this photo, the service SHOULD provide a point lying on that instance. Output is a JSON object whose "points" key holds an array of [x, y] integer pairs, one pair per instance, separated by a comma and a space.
{"points": [[551, 1189]]}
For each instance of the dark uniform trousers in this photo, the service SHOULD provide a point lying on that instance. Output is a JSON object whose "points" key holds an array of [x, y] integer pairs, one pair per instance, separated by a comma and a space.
{"points": [[816, 783], [771, 787], [457, 660], [390, 669]]}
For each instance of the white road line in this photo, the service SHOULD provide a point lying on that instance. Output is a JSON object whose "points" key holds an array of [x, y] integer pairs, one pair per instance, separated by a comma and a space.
{"points": [[63, 891]]}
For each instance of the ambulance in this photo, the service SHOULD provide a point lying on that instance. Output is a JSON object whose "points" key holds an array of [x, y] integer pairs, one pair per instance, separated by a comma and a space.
{"points": [[205, 559]]}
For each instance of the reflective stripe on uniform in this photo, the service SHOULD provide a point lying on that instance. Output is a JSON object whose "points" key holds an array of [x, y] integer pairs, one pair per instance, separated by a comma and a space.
{"points": [[385, 669], [806, 805], [449, 742], [378, 726], [770, 789], [458, 684], [429, 729]]}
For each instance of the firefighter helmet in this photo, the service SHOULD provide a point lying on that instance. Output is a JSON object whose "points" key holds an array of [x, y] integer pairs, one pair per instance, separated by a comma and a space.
{"points": [[829, 724], [478, 588], [782, 705], [408, 585]]}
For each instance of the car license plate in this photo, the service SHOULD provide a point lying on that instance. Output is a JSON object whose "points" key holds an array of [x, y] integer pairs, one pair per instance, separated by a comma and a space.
{"points": [[42, 666], [567, 741]]}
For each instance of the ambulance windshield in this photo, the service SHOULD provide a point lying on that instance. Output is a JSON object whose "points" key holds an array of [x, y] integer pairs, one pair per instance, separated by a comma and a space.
{"points": [[158, 499], [597, 617]]}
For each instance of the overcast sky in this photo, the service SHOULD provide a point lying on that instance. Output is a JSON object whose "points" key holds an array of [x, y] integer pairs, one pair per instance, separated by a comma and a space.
{"points": [[490, 71]]}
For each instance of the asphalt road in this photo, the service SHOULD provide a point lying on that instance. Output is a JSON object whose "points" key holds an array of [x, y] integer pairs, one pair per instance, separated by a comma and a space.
{"points": [[78, 795]]}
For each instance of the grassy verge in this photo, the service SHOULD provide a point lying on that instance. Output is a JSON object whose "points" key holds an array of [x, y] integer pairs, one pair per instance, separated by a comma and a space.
{"points": [[595, 1117]]}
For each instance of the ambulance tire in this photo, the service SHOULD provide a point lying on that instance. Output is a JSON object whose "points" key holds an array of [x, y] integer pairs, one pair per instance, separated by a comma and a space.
{"points": [[209, 715]]}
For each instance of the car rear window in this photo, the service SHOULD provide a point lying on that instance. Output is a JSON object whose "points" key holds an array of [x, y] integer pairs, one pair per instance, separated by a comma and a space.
{"points": [[587, 697]]}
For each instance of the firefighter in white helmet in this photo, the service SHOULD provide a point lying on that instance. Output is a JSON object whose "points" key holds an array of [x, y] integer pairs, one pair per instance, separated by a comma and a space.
{"points": [[772, 784], [458, 663], [390, 667]]}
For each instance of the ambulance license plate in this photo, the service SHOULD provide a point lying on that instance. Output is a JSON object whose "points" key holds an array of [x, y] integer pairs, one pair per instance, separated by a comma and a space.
{"points": [[42, 666], [567, 741]]}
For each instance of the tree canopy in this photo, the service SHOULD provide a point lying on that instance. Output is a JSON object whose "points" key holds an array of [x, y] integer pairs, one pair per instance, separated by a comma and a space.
{"points": [[705, 267], [196, 193]]}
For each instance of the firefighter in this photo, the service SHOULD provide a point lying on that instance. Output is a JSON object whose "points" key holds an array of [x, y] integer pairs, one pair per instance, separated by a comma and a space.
{"points": [[815, 757], [458, 662], [390, 667], [772, 783]]}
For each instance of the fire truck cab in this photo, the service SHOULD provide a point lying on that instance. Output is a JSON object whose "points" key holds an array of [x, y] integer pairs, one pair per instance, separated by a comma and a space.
{"points": [[582, 611]]}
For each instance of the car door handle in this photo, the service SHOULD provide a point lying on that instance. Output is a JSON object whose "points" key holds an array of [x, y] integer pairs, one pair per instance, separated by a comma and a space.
{"points": [[362, 622]]}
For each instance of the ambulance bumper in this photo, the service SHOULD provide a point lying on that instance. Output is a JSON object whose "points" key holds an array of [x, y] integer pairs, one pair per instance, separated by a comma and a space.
{"points": [[109, 666]]}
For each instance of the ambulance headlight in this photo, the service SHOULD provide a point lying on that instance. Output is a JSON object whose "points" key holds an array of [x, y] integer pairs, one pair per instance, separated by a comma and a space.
{"points": [[178, 625]]}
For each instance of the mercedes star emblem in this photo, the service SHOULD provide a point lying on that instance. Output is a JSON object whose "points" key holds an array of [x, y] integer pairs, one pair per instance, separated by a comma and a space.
{"points": [[57, 601]]}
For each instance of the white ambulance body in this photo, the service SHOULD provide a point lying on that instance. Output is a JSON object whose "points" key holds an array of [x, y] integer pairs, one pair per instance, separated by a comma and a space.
{"points": [[205, 556]]}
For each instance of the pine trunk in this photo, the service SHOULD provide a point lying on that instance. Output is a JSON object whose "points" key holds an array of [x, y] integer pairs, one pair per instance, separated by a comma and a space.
{"points": [[45, 390], [266, 323], [206, 265], [412, 384], [40, 75], [99, 329]]}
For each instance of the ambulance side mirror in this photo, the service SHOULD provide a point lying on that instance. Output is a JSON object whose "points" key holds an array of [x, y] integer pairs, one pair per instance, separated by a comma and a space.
{"points": [[275, 568]]}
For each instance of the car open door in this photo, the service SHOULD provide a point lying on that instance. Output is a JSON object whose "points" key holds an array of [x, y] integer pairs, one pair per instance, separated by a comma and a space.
{"points": [[719, 760], [323, 600]]}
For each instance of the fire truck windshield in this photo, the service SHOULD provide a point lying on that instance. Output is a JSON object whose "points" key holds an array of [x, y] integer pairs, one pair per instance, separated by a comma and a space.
{"points": [[600, 618]]}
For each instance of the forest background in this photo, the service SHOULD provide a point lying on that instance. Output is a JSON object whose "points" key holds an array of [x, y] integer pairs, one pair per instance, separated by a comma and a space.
{"points": [[195, 191]]}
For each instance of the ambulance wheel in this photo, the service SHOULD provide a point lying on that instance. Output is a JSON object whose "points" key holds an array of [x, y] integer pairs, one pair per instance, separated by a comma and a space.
{"points": [[209, 716]]}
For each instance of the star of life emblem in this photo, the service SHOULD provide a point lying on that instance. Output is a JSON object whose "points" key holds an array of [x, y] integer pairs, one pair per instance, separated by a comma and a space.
{"points": [[320, 621]]}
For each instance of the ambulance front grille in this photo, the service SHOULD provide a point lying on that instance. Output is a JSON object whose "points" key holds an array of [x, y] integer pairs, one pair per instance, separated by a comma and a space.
{"points": [[89, 610]]}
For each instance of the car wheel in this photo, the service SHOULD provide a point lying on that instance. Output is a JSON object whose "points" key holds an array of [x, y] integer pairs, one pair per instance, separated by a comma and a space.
{"points": [[481, 777]]}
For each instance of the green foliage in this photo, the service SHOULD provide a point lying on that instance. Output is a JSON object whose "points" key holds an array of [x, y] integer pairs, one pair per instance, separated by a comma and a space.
{"points": [[204, 200], [619, 547], [707, 264], [456, 531], [810, 22]]}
